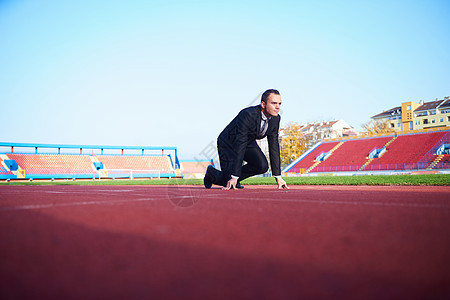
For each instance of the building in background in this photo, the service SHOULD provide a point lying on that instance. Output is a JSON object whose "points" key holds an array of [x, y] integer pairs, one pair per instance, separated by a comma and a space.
{"points": [[417, 116], [327, 130]]}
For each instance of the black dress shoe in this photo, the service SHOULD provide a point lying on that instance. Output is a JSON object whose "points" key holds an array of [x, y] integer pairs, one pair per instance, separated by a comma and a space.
{"points": [[239, 186], [209, 177]]}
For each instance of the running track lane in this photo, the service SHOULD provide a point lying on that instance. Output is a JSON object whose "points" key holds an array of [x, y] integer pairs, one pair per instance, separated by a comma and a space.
{"points": [[179, 242]]}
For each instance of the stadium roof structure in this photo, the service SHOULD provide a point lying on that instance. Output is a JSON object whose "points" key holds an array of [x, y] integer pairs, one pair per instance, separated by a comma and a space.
{"points": [[69, 146]]}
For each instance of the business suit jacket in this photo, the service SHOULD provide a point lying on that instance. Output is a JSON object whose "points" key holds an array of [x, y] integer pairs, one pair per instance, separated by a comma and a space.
{"points": [[242, 131]]}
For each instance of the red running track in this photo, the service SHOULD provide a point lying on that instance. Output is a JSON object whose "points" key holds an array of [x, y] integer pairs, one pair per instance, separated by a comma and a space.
{"points": [[175, 242]]}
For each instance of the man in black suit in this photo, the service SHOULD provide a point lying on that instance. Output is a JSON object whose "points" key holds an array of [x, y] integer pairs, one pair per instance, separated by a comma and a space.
{"points": [[237, 143]]}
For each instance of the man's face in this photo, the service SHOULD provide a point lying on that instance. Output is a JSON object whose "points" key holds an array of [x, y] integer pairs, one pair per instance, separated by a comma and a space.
{"points": [[272, 107]]}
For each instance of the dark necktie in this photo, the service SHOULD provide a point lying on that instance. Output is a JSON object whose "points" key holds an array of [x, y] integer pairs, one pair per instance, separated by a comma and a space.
{"points": [[264, 128]]}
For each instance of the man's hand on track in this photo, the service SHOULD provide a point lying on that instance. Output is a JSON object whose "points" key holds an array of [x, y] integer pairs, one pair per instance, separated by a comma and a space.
{"points": [[231, 184]]}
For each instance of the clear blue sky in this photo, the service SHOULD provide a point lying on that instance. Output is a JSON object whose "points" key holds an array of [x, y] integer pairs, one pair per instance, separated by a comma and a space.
{"points": [[175, 73]]}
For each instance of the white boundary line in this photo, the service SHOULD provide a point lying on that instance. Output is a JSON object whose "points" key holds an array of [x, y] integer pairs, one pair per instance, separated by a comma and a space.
{"points": [[321, 202], [82, 203]]}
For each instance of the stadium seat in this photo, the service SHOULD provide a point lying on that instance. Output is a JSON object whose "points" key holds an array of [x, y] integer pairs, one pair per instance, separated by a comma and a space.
{"points": [[41, 164], [309, 160], [352, 155], [139, 164], [403, 152], [407, 151]]}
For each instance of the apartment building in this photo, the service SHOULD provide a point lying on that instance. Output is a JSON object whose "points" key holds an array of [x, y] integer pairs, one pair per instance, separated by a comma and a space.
{"points": [[417, 116]]}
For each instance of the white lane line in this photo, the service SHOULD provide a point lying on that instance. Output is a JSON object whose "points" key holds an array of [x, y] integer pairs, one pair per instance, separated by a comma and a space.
{"points": [[82, 203], [88, 191], [218, 196], [368, 203], [69, 192]]}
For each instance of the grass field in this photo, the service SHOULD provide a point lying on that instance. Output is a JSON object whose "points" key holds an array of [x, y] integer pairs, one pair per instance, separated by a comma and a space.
{"points": [[422, 179]]}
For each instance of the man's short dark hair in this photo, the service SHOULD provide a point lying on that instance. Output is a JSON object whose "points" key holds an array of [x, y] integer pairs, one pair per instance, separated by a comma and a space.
{"points": [[266, 94]]}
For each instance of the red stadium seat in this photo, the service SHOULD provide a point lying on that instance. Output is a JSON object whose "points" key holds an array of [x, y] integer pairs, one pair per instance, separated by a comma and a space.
{"points": [[53, 163], [407, 151], [403, 152]]}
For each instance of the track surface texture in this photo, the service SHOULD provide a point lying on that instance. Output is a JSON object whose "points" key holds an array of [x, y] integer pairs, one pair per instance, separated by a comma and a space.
{"points": [[187, 242]]}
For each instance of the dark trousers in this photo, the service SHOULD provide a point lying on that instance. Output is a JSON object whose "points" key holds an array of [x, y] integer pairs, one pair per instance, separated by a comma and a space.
{"points": [[256, 163]]}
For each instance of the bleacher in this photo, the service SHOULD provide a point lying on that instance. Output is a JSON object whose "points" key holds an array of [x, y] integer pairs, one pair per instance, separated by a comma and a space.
{"points": [[138, 164], [309, 160], [3, 171], [444, 162], [54, 164], [26, 165], [415, 151], [351, 156], [406, 152]]}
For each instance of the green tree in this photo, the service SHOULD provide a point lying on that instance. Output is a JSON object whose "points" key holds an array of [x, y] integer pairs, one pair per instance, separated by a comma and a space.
{"points": [[378, 127], [293, 143]]}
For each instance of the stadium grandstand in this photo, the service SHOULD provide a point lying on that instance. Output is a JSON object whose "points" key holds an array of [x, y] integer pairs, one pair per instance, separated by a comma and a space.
{"points": [[415, 151], [52, 161]]}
